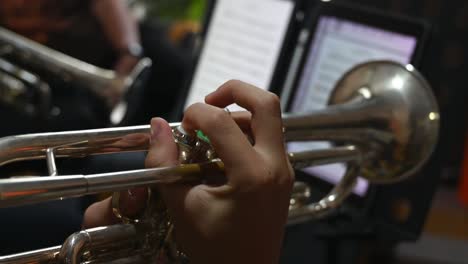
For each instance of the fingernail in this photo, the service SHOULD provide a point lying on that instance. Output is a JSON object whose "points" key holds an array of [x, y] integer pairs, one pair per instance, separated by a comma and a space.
{"points": [[208, 95], [155, 129]]}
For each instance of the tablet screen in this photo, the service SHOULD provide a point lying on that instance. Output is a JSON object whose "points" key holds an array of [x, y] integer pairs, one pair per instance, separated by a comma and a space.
{"points": [[243, 42], [338, 45]]}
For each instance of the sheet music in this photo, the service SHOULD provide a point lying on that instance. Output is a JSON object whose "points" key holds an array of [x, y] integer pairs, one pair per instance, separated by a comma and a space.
{"points": [[243, 42], [338, 46]]}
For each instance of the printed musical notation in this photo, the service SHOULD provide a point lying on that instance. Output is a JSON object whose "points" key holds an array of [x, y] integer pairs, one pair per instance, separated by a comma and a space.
{"points": [[243, 42], [338, 46]]}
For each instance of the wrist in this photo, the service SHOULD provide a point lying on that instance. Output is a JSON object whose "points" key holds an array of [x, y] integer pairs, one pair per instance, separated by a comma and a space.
{"points": [[125, 64], [133, 49]]}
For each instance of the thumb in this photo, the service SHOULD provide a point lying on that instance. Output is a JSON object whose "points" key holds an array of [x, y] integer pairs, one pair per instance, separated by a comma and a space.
{"points": [[162, 152]]}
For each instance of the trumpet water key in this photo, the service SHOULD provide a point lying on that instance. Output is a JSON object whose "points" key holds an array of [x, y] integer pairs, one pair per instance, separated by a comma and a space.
{"points": [[382, 114]]}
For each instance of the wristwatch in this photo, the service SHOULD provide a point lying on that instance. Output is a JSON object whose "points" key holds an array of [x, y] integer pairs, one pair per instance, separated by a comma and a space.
{"points": [[133, 49]]}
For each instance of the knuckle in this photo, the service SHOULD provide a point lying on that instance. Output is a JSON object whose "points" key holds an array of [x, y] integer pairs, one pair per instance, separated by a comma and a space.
{"points": [[289, 172], [154, 161], [272, 99], [274, 176], [265, 176], [289, 178], [192, 109], [233, 83], [191, 114], [269, 101], [287, 175], [218, 117], [264, 184], [292, 175]]}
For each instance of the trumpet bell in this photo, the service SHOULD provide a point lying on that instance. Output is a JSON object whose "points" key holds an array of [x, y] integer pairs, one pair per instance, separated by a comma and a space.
{"points": [[386, 110], [403, 113]]}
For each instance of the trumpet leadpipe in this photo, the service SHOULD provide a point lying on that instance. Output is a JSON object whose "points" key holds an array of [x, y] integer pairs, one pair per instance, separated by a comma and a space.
{"points": [[29, 190], [46, 255]]}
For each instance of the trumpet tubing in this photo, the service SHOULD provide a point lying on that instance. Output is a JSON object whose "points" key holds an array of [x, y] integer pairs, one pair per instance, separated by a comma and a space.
{"points": [[102, 82], [382, 114], [23, 90]]}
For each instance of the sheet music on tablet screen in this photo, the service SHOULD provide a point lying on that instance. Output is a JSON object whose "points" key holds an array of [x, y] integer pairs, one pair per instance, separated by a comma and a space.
{"points": [[338, 45], [243, 42]]}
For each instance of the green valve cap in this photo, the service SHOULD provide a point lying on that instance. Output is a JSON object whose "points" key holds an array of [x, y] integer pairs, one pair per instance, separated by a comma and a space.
{"points": [[202, 136]]}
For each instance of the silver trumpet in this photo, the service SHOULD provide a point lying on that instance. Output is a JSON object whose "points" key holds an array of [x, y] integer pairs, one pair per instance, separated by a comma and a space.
{"points": [[102, 82], [382, 114], [24, 90]]}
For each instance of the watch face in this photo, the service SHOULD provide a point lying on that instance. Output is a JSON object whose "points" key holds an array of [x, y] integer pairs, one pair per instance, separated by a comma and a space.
{"points": [[135, 49]]}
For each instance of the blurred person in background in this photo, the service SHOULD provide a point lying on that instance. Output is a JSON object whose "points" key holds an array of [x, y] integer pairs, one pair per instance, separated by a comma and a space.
{"points": [[101, 32], [106, 34]]}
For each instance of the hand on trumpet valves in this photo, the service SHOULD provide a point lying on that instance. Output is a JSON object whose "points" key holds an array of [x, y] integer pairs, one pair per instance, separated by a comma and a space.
{"points": [[243, 217]]}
